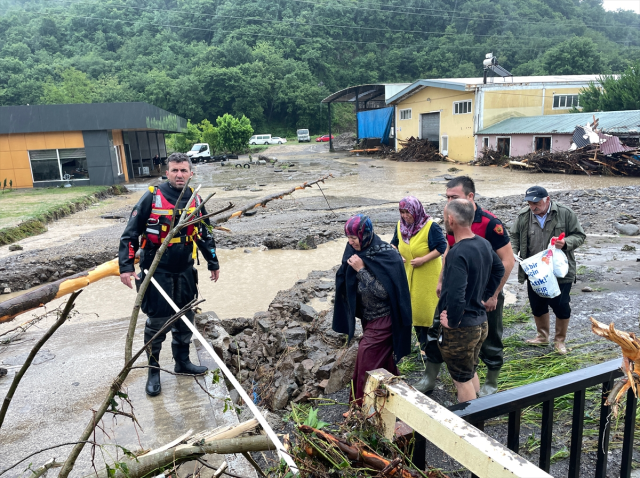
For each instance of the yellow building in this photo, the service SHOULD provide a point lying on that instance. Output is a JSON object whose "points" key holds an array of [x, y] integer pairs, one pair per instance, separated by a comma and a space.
{"points": [[450, 111]]}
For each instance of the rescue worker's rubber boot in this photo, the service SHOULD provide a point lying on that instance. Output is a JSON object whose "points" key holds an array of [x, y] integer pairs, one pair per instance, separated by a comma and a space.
{"points": [[183, 364], [542, 324], [428, 382], [562, 325], [153, 380], [490, 385]]}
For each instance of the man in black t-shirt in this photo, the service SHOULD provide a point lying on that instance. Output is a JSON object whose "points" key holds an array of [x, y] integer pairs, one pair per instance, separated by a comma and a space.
{"points": [[489, 227], [471, 275]]}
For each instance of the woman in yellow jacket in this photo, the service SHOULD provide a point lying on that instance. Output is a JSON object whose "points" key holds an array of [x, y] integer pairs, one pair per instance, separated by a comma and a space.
{"points": [[421, 242]]}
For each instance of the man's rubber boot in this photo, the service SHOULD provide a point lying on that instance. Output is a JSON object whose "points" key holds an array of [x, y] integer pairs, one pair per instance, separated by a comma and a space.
{"points": [[183, 364], [562, 325], [490, 385], [542, 324], [153, 387], [428, 382]]}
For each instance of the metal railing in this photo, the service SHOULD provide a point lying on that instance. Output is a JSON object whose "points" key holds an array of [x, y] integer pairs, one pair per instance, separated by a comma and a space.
{"points": [[544, 392]]}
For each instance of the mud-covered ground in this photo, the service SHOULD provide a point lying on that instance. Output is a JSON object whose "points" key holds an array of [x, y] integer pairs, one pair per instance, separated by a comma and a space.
{"points": [[608, 263]]}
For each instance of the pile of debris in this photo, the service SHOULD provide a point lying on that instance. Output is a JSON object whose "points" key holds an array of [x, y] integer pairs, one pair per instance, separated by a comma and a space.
{"points": [[344, 141], [290, 352], [491, 157], [592, 152], [413, 150]]}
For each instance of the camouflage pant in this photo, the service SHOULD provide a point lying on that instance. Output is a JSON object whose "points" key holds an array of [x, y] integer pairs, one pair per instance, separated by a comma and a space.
{"points": [[460, 349]]}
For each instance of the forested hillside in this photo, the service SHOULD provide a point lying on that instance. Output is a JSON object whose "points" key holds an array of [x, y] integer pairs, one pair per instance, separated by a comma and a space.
{"points": [[273, 61]]}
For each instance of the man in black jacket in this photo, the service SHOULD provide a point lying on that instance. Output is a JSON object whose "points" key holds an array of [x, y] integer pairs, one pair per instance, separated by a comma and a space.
{"points": [[151, 220], [472, 274]]}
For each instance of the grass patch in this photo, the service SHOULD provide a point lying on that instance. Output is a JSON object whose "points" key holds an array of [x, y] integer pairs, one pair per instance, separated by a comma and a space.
{"points": [[25, 213]]}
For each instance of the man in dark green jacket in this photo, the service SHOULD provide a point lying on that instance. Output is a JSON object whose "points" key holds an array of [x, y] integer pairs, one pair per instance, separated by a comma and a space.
{"points": [[531, 233]]}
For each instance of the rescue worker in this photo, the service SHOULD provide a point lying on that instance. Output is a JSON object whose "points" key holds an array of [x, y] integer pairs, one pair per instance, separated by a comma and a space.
{"points": [[489, 227], [151, 220]]}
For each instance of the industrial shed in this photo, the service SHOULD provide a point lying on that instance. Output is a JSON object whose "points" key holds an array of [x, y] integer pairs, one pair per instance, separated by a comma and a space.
{"points": [[82, 144]]}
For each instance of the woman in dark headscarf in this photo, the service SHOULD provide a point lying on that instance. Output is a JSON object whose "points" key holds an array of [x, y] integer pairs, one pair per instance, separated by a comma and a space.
{"points": [[371, 284]]}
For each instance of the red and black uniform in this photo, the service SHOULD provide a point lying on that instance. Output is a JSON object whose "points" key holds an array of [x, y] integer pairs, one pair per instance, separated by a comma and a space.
{"points": [[148, 225], [488, 226]]}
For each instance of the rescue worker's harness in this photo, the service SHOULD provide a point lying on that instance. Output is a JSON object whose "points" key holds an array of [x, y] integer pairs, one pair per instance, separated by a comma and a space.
{"points": [[159, 222]]}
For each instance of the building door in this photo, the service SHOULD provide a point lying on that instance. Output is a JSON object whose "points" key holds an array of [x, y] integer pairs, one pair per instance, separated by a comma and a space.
{"points": [[431, 128]]}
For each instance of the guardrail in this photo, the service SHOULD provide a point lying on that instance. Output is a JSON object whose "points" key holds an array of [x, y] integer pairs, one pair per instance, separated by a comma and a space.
{"points": [[393, 398], [544, 392]]}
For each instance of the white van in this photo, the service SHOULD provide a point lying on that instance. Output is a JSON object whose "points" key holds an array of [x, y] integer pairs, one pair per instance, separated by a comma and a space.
{"points": [[303, 135], [260, 139]]}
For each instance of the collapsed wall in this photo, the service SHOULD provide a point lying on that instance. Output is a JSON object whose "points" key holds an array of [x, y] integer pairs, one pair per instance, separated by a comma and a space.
{"points": [[288, 353]]}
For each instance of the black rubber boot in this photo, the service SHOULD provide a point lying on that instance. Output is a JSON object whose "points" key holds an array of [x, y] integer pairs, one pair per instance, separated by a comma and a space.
{"points": [[153, 380], [183, 364], [428, 382]]}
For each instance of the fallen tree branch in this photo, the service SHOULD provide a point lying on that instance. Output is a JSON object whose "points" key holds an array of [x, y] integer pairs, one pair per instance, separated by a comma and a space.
{"points": [[18, 377], [143, 465], [42, 451], [357, 454], [263, 202], [113, 390]]}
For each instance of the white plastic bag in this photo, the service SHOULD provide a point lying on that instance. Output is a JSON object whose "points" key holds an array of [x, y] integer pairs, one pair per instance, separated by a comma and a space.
{"points": [[539, 268], [560, 262]]}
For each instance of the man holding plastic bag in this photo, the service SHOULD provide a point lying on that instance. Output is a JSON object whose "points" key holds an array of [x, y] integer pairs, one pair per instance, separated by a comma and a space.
{"points": [[551, 232]]}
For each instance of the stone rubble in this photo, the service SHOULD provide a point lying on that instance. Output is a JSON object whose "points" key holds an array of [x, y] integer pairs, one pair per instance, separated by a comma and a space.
{"points": [[288, 353]]}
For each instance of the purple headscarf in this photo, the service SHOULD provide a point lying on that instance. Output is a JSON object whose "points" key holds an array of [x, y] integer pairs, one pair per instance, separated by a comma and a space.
{"points": [[420, 217], [361, 227]]}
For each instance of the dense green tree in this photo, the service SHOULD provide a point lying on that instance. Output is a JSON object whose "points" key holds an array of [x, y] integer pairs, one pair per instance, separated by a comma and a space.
{"points": [[233, 133], [275, 62], [613, 93]]}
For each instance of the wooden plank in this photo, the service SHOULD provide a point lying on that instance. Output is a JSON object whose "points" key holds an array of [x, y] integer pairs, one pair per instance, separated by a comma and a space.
{"points": [[475, 450]]}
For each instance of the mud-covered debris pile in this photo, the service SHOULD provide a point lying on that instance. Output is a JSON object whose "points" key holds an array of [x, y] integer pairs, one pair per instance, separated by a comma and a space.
{"points": [[290, 352], [414, 150], [344, 141]]}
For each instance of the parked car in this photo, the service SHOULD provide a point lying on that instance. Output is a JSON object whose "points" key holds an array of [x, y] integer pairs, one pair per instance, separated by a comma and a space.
{"points": [[324, 139], [303, 135], [260, 139], [277, 140]]}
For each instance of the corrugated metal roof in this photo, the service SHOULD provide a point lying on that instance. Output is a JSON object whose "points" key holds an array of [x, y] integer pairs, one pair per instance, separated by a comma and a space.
{"points": [[611, 144], [612, 122]]}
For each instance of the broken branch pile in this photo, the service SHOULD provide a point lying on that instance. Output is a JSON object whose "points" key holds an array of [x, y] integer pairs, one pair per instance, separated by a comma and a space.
{"points": [[413, 150], [586, 160], [491, 157]]}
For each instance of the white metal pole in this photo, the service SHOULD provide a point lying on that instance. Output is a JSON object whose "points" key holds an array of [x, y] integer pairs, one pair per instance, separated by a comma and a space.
{"points": [[270, 433]]}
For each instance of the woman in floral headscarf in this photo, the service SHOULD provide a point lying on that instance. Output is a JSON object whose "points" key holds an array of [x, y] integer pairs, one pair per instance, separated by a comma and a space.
{"points": [[421, 242], [371, 284]]}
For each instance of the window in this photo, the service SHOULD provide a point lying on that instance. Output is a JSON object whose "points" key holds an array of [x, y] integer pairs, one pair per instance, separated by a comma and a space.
{"points": [[485, 142], [58, 164], [504, 146], [444, 144], [542, 143], [405, 114], [461, 107], [118, 159], [566, 101]]}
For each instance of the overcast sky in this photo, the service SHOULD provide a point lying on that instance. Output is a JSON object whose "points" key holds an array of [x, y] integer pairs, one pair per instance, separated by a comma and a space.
{"points": [[624, 4]]}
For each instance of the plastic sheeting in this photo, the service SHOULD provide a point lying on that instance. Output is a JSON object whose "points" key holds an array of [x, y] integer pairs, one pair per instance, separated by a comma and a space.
{"points": [[375, 124]]}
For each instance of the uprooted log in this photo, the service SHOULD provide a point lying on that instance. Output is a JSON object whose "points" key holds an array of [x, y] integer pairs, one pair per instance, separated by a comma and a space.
{"points": [[11, 308], [357, 453], [263, 202], [413, 150], [221, 442]]}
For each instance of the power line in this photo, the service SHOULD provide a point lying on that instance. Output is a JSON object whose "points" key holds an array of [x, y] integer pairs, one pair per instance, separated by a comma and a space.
{"points": [[235, 32], [311, 24], [400, 12]]}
